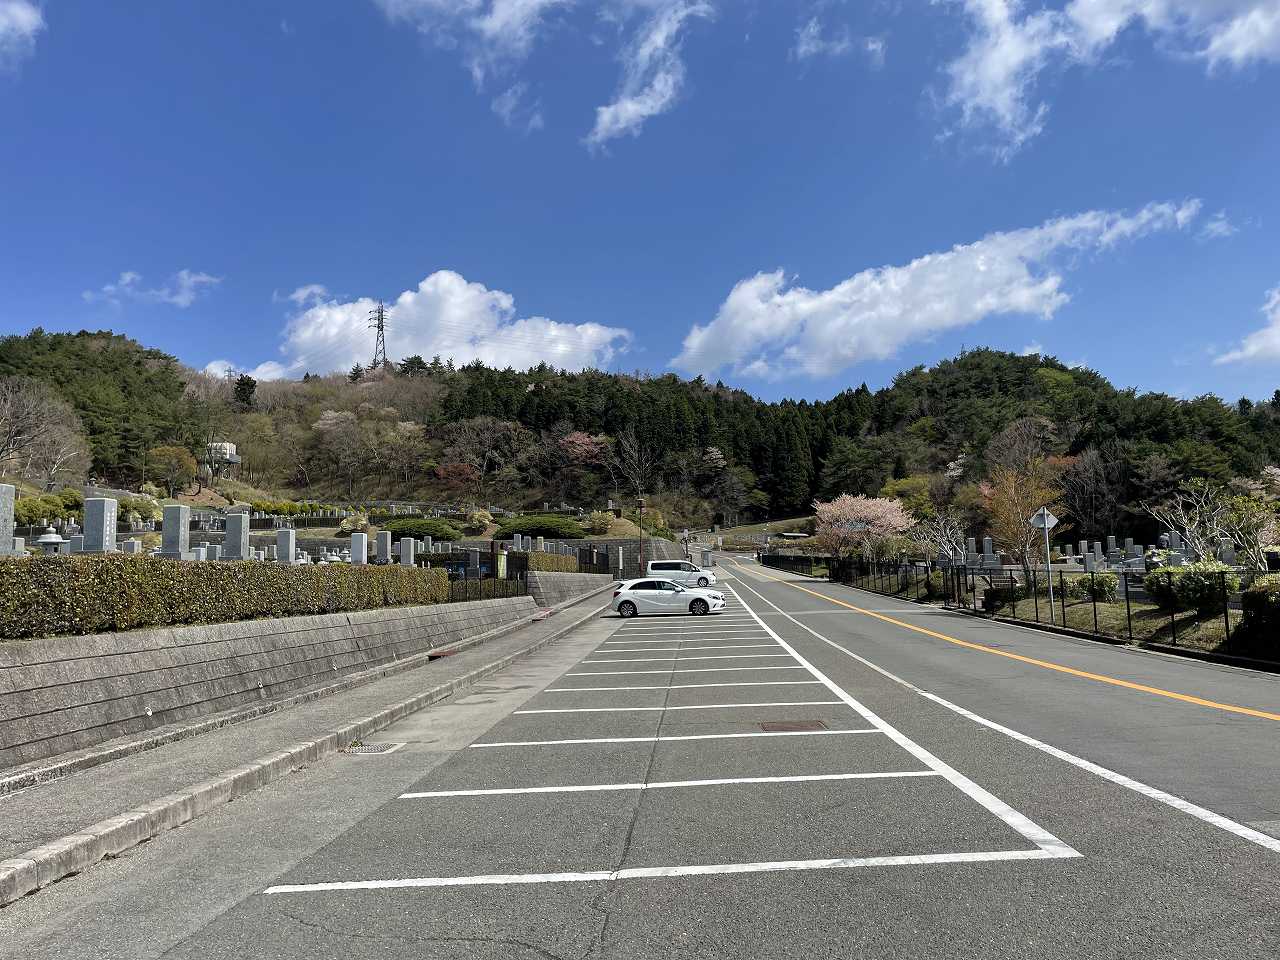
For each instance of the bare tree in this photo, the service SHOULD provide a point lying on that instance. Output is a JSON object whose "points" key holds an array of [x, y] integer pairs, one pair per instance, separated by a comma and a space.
{"points": [[60, 453], [30, 412], [1022, 442], [941, 534], [1090, 492], [1198, 513], [633, 460]]}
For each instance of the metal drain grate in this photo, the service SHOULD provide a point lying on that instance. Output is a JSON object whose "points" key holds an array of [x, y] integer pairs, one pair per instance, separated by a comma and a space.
{"points": [[792, 726], [374, 747]]}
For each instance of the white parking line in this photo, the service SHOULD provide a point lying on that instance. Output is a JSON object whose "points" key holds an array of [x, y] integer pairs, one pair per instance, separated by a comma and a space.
{"points": [[723, 646], [734, 656], [693, 686], [666, 784], [669, 739], [651, 873], [695, 706], [618, 673], [689, 639]]}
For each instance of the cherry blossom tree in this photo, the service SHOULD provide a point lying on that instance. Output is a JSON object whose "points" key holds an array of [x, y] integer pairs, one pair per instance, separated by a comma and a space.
{"points": [[859, 524]]}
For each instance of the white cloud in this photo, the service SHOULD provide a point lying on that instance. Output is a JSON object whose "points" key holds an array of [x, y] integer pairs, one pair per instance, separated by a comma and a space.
{"points": [[875, 48], [769, 325], [182, 290], [993, 81], [306, 294], [810, 41], [445, 315], [1263, 344], [653, 73], [1032, 350], [1217, 227], [517, 109], [20, 23]]}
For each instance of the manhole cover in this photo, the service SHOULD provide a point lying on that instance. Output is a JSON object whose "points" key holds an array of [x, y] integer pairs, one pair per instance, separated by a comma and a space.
{"points": [[791, 726], [374, 748]]}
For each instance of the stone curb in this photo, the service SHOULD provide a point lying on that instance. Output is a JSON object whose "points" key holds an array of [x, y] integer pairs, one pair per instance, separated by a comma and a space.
{"points": [[71, 854], [34, 775]]}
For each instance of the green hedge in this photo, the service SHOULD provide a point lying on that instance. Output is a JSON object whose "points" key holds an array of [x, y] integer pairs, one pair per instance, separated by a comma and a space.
{"points": [[552, 563], [1261, 605], [421, 527], [51, 596], [549, 525], [1197, 586]]}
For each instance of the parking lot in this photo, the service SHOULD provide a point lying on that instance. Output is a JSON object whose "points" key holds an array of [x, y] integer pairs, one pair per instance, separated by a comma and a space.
{"points": [[730, 731], [769, 782]]}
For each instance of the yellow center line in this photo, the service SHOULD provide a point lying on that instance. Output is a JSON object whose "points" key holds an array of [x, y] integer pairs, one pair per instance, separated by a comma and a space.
{"points": [[1060, 668]]}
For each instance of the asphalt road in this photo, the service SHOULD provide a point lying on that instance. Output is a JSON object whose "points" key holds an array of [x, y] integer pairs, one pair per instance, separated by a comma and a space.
{"points": [[818, 772]]}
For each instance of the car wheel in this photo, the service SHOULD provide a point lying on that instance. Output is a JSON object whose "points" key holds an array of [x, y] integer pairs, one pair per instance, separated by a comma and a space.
{"points": [[704, 582], [626, 609], [699, 608]]}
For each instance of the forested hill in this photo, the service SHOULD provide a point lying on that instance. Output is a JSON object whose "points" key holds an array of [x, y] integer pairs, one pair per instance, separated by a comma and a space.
{"points": [[427, 428]]}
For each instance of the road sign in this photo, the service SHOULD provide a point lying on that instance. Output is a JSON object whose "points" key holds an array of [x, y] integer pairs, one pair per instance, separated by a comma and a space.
{"points": [[1044, 520]]}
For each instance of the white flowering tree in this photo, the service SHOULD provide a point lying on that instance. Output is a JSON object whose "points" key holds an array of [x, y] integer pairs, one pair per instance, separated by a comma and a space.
{"points": [[863, 525]]}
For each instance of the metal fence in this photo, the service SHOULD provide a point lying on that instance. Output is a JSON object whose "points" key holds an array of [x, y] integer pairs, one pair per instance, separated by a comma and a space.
{"points": [[809, 566], [1204, 612], [470, 584]]}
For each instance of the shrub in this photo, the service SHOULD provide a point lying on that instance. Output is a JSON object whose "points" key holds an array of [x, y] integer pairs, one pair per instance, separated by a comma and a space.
{"points": [[552, 563], [598, 522], [356, 523], [421, 527], [477, 522], [935, 585], [1261, 603], [1199, 586], [149, 489], [1099, 587], [996, 597], [550, 525], [49, 596]]}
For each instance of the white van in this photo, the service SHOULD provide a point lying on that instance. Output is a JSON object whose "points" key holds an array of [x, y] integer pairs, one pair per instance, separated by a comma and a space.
{"points": [[681, 571]]}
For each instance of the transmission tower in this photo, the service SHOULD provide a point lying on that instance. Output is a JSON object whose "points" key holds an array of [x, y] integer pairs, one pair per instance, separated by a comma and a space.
{"points": [[378, 321]]}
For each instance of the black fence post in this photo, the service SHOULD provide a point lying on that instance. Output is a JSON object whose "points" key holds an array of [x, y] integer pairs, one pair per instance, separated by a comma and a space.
{"points": [[1226, 608], [1173, 610], [1035, 594], [1128, 607], [1093, 595], [1062, 595]]}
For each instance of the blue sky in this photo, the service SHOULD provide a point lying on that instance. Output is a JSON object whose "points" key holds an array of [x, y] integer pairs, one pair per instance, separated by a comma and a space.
{"points": [[794, 196]]}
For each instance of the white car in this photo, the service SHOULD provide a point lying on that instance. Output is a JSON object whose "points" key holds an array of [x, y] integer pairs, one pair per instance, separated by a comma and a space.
{"points": [[681, 571], [636, 597]]}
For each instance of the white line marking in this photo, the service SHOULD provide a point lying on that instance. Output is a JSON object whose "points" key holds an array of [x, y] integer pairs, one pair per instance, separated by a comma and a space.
{"points": [[693, 686], [695, 706], [667, 784], [647, 873], [1160, 796], [723, 646], [1011, 817], [684, 640], [671, 739], [736, 656], [620, 673]]}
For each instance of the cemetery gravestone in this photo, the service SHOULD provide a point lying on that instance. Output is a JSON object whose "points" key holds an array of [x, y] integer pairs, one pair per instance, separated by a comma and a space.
{"points": [[77, 543], [407, 549], [132, 546], [176, 532], [384, 546], [8, 496], [237, 540], [286, 546], [100, 525], [359, 549]]}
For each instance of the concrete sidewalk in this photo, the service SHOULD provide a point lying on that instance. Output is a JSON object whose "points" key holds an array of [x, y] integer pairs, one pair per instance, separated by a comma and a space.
{"points": [[53, 829]]}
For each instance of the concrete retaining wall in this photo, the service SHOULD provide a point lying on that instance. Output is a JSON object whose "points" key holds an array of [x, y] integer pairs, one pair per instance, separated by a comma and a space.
{"points": [[548, 589], [67, 693]]}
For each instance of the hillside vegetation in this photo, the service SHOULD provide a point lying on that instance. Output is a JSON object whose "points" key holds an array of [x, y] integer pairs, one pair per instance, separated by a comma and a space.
{"points": [[700, 451]]}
